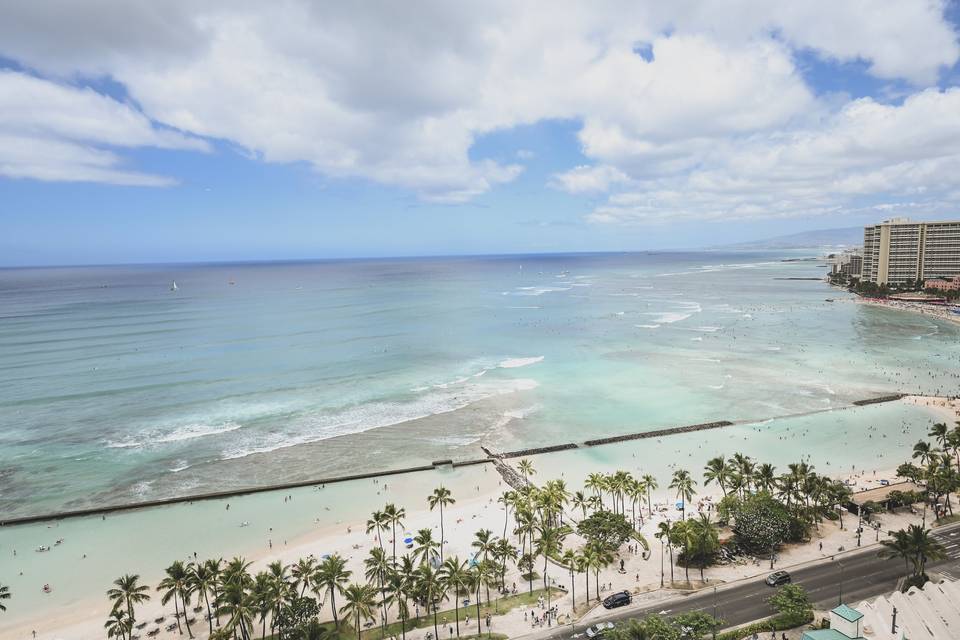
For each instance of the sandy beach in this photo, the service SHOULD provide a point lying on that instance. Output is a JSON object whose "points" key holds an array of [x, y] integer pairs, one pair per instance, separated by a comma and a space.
{"points": [[477, 489], [929, 310]]}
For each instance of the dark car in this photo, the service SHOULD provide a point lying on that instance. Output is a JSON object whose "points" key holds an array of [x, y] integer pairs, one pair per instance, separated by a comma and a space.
{"points": [[617, 600], [778, 578]]}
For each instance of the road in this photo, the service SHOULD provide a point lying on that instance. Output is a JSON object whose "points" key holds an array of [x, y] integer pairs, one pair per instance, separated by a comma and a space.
{"points": [[857, 576]]}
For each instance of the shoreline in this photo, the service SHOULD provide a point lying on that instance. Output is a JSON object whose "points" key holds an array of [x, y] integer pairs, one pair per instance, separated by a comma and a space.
{"points": [[492, 456], [931, 311], [477, 507]]}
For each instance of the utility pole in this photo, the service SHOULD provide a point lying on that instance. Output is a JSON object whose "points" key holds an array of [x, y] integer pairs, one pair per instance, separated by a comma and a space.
{"points": [[893, 628]]}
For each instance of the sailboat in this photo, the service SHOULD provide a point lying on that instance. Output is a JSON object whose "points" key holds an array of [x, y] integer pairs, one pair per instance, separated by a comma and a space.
{"points": [[173, 286]]}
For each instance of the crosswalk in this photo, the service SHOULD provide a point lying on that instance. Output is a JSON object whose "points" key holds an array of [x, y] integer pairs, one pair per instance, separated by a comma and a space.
{"points": [[951, 543]]}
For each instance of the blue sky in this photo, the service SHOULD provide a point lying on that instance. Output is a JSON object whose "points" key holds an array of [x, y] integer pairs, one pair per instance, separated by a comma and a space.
{"points": [[289, 137]]}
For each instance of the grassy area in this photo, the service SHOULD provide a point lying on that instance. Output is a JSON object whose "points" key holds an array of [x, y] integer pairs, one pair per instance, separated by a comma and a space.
{"points": [[446, 617], [947, 520]]}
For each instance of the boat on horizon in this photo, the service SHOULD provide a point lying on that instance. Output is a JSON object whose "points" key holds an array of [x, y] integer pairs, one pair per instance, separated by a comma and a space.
{"points": [[173, 286]]}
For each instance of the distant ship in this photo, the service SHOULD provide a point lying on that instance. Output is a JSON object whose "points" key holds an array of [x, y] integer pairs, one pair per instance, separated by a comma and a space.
{"points": [[173, 286]]}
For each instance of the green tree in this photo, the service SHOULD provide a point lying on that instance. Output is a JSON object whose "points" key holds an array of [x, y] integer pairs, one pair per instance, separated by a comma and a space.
{"points": [[379, 521], [607, 528], [360, 601], [395, 515], [176, 586], [792, 603], [526, 468], [126, 592], [455, 576], [202, 583], [717, 470], [118, 624], [441, 497], [761, 523], [683, 484], [332, 574]]}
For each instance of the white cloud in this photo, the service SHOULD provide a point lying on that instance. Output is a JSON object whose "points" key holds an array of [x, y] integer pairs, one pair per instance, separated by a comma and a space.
{"points": [[398, 94], [589, 179], [58, 133], [907, 154]]}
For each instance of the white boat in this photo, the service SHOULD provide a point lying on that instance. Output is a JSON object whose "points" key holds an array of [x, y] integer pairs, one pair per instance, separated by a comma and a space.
{"points": [[173, 286]]}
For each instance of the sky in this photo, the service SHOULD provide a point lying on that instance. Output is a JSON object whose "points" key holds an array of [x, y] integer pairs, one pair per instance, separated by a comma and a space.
{"points": [[143, 131]]}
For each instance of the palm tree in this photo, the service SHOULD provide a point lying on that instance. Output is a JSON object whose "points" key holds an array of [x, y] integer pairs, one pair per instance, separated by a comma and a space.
{"points": [[332, 574], [717, 470], [278, 591], [377, 566], [683, 484], [571, 560], [898, 546], [239, 607], [650, 484], [441, 496], [431, 587], [705, 538], [177, 586], [396, 589], [549, 543], [766, 477], [504, 551], [941, 434], [302, 573], [924, 451], [202, 582], [526, 468], [663, 535], [4, 595], [361, 601], [508, 498], [395, 515], [215, 567], [378, 522], [127, 592], [580, 501], [485, 546], [426, 549], [118, 624], [456, 576]]}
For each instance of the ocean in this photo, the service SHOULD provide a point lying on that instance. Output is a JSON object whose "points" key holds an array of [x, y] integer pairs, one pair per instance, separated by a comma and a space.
{"points": [[115, 388]]}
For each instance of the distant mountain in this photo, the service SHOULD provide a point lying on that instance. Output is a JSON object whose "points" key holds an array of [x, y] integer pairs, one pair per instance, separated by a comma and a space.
{"points": [[844, 237]]}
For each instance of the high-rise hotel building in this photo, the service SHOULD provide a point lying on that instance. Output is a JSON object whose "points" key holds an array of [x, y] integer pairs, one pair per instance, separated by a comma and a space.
{"points": [[898, 250]]}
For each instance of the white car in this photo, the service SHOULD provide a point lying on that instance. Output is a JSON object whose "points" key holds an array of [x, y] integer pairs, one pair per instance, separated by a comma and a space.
{"points": [[597, 630]]}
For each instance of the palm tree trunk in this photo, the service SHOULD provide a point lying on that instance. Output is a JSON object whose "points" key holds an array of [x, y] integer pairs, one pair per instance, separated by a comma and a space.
{"points": [[670, 546], [206, 599], [186, 620], [596, 576], [441, 536], [479, 631], [333, 605], [176, 609], [358, 624], [436, 632], [394, 523], [456, 610], [587, 576], [573, 591]]}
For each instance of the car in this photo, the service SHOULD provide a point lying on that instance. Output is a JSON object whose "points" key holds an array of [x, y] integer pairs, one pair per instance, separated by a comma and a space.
{"points": [[618, 599], [597, 630], [778, 578]]}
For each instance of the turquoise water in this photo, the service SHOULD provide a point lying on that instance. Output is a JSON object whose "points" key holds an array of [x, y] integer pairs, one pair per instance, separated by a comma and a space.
{"points": [[115, 388]]}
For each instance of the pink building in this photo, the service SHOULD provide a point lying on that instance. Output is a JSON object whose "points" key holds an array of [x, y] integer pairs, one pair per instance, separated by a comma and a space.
{"points": [[944, 285]]}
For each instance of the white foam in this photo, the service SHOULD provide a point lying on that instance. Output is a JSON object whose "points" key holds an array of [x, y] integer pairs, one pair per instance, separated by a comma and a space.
{"points": [[514, 363], [186, 432], [319, 426], [647, 326], [697, 339], [668, 317], [708, 329]]}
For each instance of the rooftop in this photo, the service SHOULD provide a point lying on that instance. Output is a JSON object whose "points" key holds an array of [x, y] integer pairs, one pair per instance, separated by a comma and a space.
{"points": [[847, 613]]}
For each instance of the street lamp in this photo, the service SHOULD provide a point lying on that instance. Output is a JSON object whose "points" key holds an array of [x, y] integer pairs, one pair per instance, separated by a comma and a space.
{"points": [[840, 598]]}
